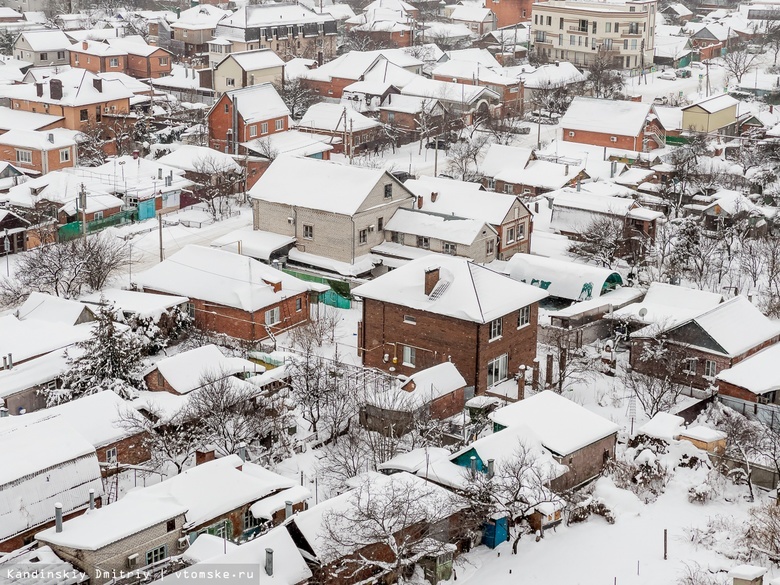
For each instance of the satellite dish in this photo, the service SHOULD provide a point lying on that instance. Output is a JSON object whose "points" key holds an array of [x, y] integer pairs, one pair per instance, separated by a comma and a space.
{"points": [[642, 312]]}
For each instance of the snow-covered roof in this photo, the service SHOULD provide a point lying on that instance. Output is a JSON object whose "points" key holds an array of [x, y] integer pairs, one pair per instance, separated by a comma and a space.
{"points": [[95, 202], [317, 184], [663, 426], [290, 143], [186, 371], [267, 507], [618, 117], [97, 49], [221, 277], [672, 47], [42, 567], [46, 40], [447, 91], [472, 14], [135, 45], [500, 157], [679, 9], [548, 76], [414, 460], [44, 140], [336, 118], [355, 64], [568, 280], [144, 305], [737, 326], [562, 425], [747, 572], [253, 16], [444, 227], [668, 304], [757, 373], [78, 89], [256, 60], [95, 417], [34, 372], [473, 71], [462, 199], [254, 243], [40, 469], [46, 307], [702, 433], [670, 118], [34, 337], [201, 17], [18, 120], [541, 174], [410, 104], [714, 104], [464, 290], [200, 159], [204, 547]]}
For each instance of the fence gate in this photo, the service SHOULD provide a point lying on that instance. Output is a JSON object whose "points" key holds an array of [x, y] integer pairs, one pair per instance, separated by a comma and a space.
{"points": [[329, 297]]}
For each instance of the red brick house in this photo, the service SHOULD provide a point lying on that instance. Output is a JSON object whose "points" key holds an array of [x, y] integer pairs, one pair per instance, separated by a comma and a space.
{"points": [[441, 308], [611, 123], [144, 61], [752, 381], [45, 151], [415, 117], [434, 393], [510, 12], [348, 131], [97, 57], [246, 114], [705, 345], [232, 294]]}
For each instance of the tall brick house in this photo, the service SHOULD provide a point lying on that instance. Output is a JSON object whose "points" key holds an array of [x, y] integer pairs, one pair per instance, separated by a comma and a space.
{"points": [[232, 294], [703, 346], [510, 12], [246, 114], [612, 123], [440, 308]]}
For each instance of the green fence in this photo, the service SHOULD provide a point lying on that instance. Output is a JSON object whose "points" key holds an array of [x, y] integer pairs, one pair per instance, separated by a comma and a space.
{"points": [[329, 297], [73, 229]]}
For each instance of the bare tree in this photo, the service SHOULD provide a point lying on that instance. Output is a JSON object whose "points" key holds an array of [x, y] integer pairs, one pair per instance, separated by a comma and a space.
{"points": [[603, 79], [772, 35], [404, 516], [65, 269], [219, 185], [464, 158], [297, 95], [739, 62], [600, 241], [655, 394]]}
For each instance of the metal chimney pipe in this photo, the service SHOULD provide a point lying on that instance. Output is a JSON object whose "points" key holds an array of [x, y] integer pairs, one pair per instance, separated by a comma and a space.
{"points": [[269, 562], [58, 517], [473, 464], [491, 468], [242, 451], [288, 509], [91, 499], [10, 361]]}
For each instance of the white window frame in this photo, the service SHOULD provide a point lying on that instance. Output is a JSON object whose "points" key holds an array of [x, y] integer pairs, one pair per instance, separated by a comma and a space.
{"points": [[230, 82], [64, 155], [273, 316], [279, 125], [408, 356], [24, 156], [264, 128], [410, 320], [500, 367], [98, 215], [310, 229], [510, 235], [449, 248], [496, 329], [111, 455], [687, 369], [253, 131], [490, 247], [524, 317], [710, 368], [113, 62]]}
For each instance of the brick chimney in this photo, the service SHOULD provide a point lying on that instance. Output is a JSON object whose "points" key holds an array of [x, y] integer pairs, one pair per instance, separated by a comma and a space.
{"points": [[204, 456], [276, 285], [419, 202], [98, 84], [55, 89], [434, 195], [431, 278], [84, 45]]}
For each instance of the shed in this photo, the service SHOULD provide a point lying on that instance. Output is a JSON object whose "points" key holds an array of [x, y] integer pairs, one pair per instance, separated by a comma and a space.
{"points": [[711, 114], [705, 438]]}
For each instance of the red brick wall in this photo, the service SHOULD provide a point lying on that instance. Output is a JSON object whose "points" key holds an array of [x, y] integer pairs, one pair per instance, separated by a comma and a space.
{"points": [[448, 405], [129, 451], [333, 88], [602, 139], [509, 12], [220, 121], [439, 338], [728, 389], [584, 463]]}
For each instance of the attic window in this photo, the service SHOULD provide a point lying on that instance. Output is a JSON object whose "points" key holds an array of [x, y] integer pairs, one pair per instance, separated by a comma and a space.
{"points": [[170, 526], [410, 319]]}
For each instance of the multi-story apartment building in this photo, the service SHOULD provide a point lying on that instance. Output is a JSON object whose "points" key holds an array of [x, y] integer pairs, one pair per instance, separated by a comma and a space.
{"points": [[576, 31]]}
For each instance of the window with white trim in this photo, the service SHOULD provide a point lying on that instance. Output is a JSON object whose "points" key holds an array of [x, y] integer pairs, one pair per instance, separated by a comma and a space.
{"points": [[253, 131], [24, 156], [423, 242], [65, 155], [111, 455], [496, 328], [523, 317], [308, 232], [411, 320], [279, 125], [510, 235], [449, 248], [490, 247], [113, 62], [498, 370], [710, 368], [689, 366], [230, 82], [409, 356], [272, 316], [264, 128], [156, 554]]}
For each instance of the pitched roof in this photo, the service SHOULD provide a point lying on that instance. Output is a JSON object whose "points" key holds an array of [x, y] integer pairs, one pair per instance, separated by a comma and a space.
{"points": [[336, 118], [464, 290], [444, 227], [447, 91], [258, 103], [254, 60], [221, 277], [714, 104], [78, 89], [619, 117], [46, 40], [757, 373]]}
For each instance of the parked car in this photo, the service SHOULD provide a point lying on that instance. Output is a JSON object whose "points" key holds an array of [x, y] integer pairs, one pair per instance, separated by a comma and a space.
{"points": [[668, 75], [439, 143], [661, 100], [755, 49], [697, 65], [683, 73], [524, 130]]}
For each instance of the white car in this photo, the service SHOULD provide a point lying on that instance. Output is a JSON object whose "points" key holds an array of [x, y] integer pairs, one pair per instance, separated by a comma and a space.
{"points": [[669, 75]]}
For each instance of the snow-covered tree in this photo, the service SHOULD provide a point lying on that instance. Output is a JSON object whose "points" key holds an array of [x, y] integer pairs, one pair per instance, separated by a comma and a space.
{"points": [[110, 359], [600, 241], [296, 95]]}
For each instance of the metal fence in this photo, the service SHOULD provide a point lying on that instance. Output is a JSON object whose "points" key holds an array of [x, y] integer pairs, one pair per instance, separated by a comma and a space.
{"points": [[73, 229], [329, 297]]}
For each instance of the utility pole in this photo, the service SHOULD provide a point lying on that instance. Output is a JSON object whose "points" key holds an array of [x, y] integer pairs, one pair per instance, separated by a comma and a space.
{"points": [[159, 223], [83, 205], [7, 248]]}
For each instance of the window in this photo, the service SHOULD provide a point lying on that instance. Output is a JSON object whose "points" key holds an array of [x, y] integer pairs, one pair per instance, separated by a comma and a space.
{"points": [[710, 369], [84, 115], [298, 305], [520, 231], [98, 215], [582, 26], [633, 28], [497, 370], [496, 328], [230, 82], [490, 247], [111, 455], [560, 39], [449, 248], [380, 223], [491, 183], [113, 62], [409, 356], [191, 310], [250, 521], [164, 61], [617, 27], [508, 188], [44, 56], [363, 237], [510, 235], [625, 48], [60, 54], [423, 242], [549, 21], [253, 130], [594, 28], [572, 40], [523, 317], [272, 316], [279, 125], [608, 27], [397, 238], [388, 191], [391, 117], [264, 128], [156, 554], [308, 232], [689, 366], [24, 156], [634, 44], [410, 320], [64, 155], [560, 24], [170, 526]]}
